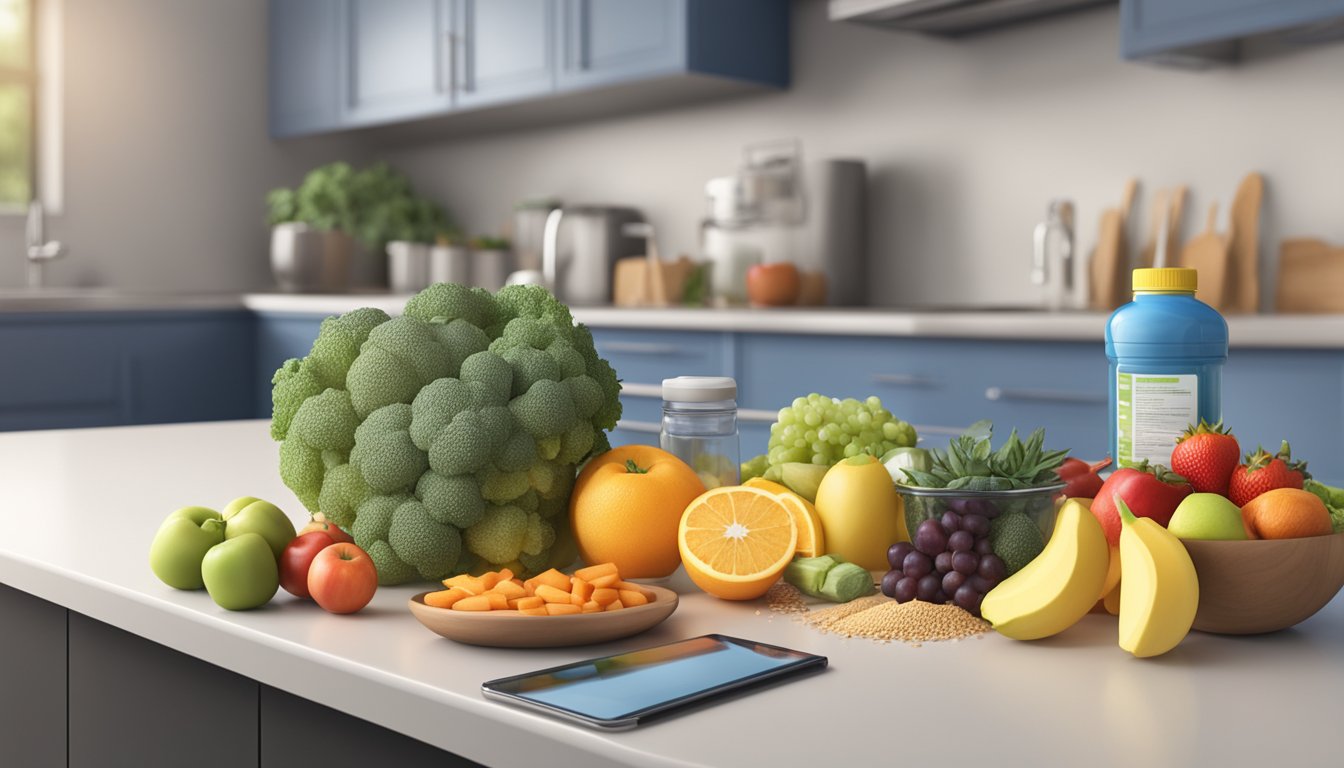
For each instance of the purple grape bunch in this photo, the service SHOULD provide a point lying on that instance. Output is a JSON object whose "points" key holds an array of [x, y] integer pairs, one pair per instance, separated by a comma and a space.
{"points": [[949, 560]]}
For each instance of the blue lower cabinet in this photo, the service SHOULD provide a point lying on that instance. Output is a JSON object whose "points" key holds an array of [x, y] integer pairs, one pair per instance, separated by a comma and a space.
{"points": [[279, 338], [102, 369], [1296, 395]]}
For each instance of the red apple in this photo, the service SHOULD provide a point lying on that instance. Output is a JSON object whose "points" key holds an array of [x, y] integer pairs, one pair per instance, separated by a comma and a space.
{"points": [[297, 558], [342, 578], [773, 285], [321, 523]]}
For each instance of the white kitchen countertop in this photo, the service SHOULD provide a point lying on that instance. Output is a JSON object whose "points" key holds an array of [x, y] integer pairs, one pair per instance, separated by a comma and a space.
{"points": [[78, 509], [1297, 331]]}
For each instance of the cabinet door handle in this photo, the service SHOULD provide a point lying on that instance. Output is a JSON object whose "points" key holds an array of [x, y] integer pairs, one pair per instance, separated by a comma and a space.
{"points": [[468, 47], [646, 427], [640, 348], [635, 389], [904, 379], [997, 394], [756, 416]]}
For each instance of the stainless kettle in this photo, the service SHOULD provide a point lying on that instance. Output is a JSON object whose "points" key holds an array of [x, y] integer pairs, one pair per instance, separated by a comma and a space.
{"points": [[580, 247]]}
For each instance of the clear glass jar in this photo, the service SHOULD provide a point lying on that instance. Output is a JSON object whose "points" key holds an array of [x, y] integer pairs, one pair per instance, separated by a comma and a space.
{"points": [[700, 426]]}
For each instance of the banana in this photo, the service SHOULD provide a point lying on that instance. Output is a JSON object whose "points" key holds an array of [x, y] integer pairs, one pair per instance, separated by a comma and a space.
{"points": [[1159, 591], [1052, 592]]}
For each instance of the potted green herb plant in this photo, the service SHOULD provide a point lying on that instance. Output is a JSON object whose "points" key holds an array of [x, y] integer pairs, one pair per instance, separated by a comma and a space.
{"points": [[450, 259], [332, 231]]}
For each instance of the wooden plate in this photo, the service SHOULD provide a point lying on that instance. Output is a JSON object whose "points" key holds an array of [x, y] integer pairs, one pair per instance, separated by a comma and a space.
{"points": [[511, 630], [1249, 587]]}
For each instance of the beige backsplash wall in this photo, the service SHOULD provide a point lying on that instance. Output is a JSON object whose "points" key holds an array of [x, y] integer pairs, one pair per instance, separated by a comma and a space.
{"points": [[967, 140]]}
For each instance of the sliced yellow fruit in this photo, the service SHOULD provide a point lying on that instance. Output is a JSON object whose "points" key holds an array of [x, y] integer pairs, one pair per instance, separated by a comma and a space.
{"points": [[811, 539], [736, 541]]}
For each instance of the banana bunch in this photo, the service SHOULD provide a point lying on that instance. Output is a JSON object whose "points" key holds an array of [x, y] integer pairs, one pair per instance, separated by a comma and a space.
{"points": [[1156, 603]]}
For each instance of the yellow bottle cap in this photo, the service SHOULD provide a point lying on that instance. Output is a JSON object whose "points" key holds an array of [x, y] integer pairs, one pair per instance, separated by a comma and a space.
{"points": [[1166, 279]]}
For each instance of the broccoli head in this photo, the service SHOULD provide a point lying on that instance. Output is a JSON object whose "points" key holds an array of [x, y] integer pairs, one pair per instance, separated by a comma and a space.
{"points": [[447, 439]]}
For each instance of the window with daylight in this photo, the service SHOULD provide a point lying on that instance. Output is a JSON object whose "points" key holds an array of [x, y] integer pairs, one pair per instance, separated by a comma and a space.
{"points": [[18, 95]]}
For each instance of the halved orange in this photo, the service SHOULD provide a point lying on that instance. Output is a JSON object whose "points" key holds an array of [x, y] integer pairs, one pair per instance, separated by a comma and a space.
{"points": [[811, 540], [735, 541]]}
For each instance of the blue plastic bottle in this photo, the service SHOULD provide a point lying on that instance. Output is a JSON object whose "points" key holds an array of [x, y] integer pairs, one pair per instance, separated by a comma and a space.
{"points": [[1167, 350]]}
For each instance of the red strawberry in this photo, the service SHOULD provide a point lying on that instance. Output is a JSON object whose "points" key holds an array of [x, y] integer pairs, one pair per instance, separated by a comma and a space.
{"points": [[1206, 455], [1263, 472]]}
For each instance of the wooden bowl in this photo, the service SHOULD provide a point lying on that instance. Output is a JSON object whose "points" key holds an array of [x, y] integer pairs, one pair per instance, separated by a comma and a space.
{"points": [[502, 629], [1249, 587]]}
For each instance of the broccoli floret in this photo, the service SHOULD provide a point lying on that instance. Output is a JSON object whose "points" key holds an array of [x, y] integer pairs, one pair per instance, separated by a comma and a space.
{"points": [[499, 536], [291, 385], [338, 343], [343, 490], [384, 453], [451, 500], [447, 440], [419, 540], [544, 410], [399, 357]]}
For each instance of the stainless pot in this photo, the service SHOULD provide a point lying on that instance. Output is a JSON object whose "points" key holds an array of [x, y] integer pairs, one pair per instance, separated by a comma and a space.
{"points": [[407, 266], [450, 264], [304, 259]]}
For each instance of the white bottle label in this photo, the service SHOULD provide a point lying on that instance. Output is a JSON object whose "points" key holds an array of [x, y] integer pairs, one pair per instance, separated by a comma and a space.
{"points": [[1152, 410]]}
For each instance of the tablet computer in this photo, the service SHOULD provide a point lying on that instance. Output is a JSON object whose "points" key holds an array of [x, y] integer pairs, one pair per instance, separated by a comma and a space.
{"points": [[624, 690]]}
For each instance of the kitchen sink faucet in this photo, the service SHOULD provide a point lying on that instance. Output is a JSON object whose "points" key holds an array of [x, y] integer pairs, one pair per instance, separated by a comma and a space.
{"points": [[40, 250]]}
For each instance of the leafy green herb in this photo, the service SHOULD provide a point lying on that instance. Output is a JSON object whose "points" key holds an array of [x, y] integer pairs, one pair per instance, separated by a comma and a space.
{"points": [[376, 205], [970, 463]]}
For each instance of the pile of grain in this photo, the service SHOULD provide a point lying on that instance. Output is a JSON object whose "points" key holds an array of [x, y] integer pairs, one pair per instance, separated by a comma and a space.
{"points": [[785, 598], [880, 618]]}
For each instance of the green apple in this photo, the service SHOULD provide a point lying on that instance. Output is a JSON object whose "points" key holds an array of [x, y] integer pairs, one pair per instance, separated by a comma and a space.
{"points": [[1207, 516], [236, 506], [241, 573], [263, 518], [181, 543]]}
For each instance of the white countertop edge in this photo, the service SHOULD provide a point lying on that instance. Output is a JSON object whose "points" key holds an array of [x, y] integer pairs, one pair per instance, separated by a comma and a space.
{"points": [[479, 730], [1259, 331]]}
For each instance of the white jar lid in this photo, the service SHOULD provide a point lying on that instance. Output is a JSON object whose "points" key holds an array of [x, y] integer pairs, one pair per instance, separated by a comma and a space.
{"points": [[699, 389]]}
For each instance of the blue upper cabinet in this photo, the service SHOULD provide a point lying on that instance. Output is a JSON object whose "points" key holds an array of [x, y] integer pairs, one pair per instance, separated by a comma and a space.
{"points": [[305, 63], [352, 63], [1194, 32], [397, 60], [603, 42], [504, 50]]}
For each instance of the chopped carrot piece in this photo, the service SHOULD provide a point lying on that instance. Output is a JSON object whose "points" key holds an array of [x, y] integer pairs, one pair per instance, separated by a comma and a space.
{"points": [[531, 586], [509, 589], [580, 591], [591, 607], [537, 611], [602, 582], [446, 598], [471, 584], [504, 575], [498, 602], [631, 598], [594, 571], [552, 595], [516, 580], [489, 580], [605, 596], [562, 609], [475, 603], [616, 606], [640, 588], [555, 579], [527, 602]]}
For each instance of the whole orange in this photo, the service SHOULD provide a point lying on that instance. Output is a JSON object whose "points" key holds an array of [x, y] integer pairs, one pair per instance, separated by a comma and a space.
{"points": [[626, 507], [1286, 513]]}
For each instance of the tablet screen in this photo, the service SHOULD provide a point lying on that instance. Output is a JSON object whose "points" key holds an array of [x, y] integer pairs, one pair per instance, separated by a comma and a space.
{"points": [[616, 687]]}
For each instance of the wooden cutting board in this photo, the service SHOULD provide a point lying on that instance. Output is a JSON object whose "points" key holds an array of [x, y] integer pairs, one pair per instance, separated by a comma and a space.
{"points": [[1244, 245], [1108, 271], [1207, 253], [1311, 276], [1156, 214], [1175, 214]]}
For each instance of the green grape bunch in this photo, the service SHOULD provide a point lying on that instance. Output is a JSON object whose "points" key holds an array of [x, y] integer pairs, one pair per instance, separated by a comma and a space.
{"points": [[824, 430]]}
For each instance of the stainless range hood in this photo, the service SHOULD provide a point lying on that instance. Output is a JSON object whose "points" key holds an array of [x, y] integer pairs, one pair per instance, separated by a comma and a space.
{"points": [[949, 17]]}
